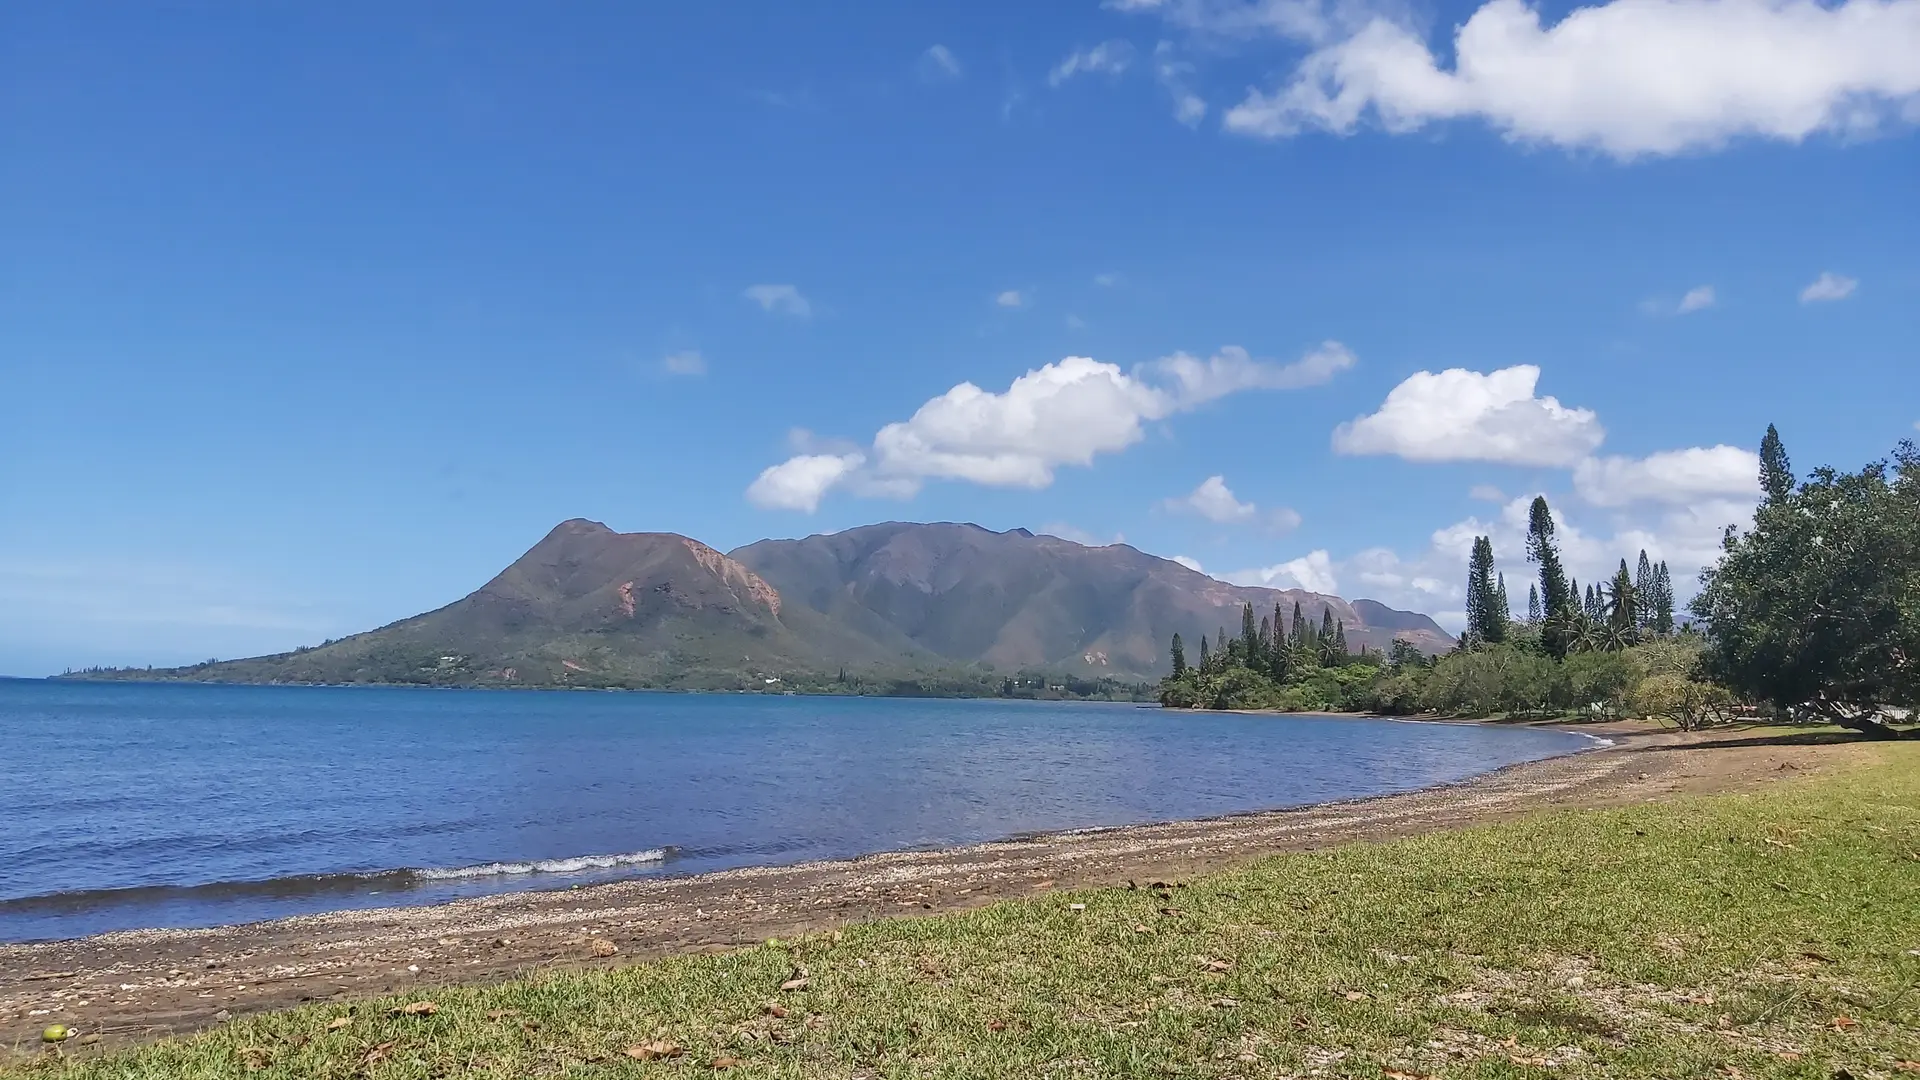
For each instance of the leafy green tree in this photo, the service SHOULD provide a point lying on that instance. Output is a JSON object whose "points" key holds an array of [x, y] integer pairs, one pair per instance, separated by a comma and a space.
{"points": [[1776, 472], [1554, 595], [1179, 657], [1816, 609]]}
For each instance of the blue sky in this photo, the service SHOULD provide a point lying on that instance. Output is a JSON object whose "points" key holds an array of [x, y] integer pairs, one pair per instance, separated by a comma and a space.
{"points": [[313, 317]]}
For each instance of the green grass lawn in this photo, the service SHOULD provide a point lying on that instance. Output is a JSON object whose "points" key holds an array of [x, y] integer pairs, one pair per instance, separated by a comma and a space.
{"points": [[1734, 936]]}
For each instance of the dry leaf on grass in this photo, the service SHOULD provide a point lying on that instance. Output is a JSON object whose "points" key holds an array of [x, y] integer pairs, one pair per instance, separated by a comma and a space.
{"points": [[655, 1050], [797, 983], [417, 1008], [1354, 995], [1225, 1003], [996, 1025], [1845, 1023], [255, 1057], [1396, 1074], [339, 1022], [502, 1014], [377, 1053], [1907, 1066], [777, 1011], [1218, 965], [726, 1062]]}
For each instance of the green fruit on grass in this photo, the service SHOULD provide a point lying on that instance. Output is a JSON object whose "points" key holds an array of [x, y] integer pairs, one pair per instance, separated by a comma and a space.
{"points": [[56, 1033]]}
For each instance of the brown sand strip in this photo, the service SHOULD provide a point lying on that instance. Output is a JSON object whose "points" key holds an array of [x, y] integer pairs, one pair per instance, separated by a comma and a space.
{"points": [[139, 985]]}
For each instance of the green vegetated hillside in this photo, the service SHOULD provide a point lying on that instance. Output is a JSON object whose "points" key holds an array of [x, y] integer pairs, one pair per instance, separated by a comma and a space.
{"points": [[939, 608]]}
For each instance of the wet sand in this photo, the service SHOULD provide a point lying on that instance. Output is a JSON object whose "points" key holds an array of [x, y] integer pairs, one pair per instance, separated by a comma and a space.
{"points": [[140, 985]]}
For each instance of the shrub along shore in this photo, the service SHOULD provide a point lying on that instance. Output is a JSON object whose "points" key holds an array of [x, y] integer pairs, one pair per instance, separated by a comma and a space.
{"points": [[1763, 934]]}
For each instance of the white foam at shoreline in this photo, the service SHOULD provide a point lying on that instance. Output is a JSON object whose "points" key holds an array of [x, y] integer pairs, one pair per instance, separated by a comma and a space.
{"points": [[547, 866]]}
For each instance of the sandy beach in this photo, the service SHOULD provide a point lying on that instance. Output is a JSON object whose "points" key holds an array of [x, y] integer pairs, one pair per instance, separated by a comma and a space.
{"points": [[141, 985]]}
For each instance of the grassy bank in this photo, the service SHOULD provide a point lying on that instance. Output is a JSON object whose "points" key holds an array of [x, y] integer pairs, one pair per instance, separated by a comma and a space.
{"points": [[1776, 934]]}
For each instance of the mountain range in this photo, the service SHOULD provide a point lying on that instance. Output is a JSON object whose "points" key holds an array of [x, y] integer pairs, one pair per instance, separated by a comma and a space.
{"points": [[588, 606]]}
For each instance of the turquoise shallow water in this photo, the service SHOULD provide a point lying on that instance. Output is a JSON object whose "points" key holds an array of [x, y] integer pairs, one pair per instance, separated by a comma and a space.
{"points": [[128, 806]]}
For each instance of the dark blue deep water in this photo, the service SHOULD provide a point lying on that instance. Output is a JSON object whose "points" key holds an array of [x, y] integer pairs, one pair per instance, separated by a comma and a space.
{"points": [[128, 806]]}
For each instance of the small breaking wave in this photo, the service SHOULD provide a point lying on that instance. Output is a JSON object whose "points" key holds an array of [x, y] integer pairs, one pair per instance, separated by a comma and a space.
{"points": [[307, 886], [575, 865]]}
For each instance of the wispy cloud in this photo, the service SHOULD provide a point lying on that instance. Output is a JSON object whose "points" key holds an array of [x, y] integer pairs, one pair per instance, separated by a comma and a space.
{"points": [[1175, 77], [685, 362], [1107, 58], [1828, 286], [1698, 298], [780, 299], [1010, 298], [938, 64]]}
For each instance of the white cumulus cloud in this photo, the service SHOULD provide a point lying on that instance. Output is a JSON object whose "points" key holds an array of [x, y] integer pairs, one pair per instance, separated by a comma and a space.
{"points": [[799, 482], [1216, 502], [1190, 563], [1461, 415], [1063, 413], [1107, 58], [1828, 286], [1313, 572], [1628, 78], [1671, 476], [782, 299], [1010, 298]]}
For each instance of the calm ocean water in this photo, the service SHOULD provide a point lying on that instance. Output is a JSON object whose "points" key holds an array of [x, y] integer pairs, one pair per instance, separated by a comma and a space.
{"points": [[171, 805]]}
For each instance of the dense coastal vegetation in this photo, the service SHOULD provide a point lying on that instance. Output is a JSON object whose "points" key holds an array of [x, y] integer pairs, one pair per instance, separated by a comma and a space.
{"points": [[1812, 614]]}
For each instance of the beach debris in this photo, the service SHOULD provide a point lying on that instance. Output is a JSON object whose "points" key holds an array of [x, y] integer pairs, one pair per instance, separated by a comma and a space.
{"points": [[222, 1016], [43, 976], [339, 1022], [90, 1038], [656, 1050], [602, 947], [56, 1033], [416, 1008], [726, 1061]]}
